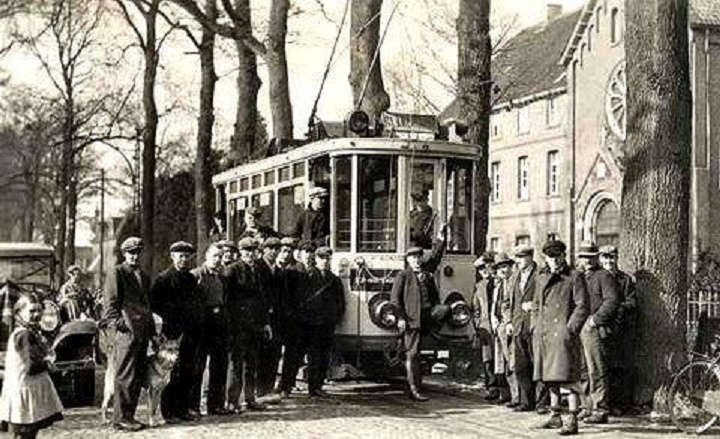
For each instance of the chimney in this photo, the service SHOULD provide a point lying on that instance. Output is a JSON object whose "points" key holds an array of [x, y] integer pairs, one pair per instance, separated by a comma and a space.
{"points": [[554, 10]]}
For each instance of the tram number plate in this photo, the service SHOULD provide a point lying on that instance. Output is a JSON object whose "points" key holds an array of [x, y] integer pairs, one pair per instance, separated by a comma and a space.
{"points": [[443, 354], [440, 355]]}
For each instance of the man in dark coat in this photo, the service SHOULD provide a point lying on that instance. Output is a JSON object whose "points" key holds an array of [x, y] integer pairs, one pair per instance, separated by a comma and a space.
{"points": [[421, 221], [254, 228], [415, 295], [320, 305], [211, 287], [522, 290], [313, 225], [482, 341], [622, 364], [248, 325], [127, 311], [270, 351], [175, 298], [560, 307], [597, 333], [500, 316]]}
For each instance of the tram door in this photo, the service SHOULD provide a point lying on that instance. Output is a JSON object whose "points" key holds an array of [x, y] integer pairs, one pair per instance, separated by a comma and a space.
{"points": [[423, 202]]}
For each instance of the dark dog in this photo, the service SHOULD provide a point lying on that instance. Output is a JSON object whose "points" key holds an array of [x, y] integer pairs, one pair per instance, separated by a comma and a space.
{"points": [[159, 366]]}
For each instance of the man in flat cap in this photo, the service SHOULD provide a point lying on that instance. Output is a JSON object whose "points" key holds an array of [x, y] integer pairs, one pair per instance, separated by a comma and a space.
{"points": [[248, 325], [211, 288], [622, 367], [269, 279], [230, 252], [483, 340], [500, 316], [320, 306], [560, 308], [597, 333], [415, 294], [313, 225], [421, 220], [254, 228], [305, 259], [175, 298], [127, 310], [73, 297]]}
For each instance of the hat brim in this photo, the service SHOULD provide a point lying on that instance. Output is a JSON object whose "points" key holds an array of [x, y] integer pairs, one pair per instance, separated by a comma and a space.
{"points": [[587, 254], [554, 253]]}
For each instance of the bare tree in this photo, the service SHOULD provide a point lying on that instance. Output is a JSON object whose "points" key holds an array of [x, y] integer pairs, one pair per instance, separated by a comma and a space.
{"points": [[656, 183], [366, 77], [474, 52]]}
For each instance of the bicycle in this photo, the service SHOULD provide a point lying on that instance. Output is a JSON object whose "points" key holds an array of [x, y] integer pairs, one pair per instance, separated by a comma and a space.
{"points": [[694, 396]]}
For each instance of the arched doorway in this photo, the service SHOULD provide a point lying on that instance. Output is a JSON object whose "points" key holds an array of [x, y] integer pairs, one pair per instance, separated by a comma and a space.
{"points": [[602, 220]]}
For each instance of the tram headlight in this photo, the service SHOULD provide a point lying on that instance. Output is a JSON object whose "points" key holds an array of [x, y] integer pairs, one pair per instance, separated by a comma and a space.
{"points": [[382, 312], [50, 317], [460, 313]]}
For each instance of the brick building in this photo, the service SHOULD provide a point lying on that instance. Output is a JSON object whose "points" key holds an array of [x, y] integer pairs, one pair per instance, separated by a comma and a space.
{"points": [[557, 128]]}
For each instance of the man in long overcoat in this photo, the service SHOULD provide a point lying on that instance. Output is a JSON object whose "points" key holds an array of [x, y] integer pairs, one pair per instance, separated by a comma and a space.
{"points": [[522, 290], [482, 341], [560, 307], [127, 311], [415, 294]]}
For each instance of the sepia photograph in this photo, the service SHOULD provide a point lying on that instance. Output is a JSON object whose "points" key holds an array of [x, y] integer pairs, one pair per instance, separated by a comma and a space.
{"points": [[359, 218]]}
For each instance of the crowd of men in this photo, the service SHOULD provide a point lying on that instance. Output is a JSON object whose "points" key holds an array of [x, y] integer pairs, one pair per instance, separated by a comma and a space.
{"points": [[545, 333], [236, 314]]}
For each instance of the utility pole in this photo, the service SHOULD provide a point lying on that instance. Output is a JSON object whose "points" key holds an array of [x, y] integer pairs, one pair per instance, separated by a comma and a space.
{"points": [[102, 228]]}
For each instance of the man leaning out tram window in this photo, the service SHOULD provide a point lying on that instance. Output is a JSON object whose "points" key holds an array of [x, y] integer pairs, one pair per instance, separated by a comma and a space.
{"points": [[313, 225], [416, 296]]}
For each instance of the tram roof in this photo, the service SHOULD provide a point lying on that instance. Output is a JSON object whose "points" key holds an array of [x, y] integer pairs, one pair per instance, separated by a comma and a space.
{"points": [[354, 145]]}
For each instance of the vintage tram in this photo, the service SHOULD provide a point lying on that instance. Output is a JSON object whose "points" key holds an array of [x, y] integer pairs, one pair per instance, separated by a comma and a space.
{"points": [[370, 182]]}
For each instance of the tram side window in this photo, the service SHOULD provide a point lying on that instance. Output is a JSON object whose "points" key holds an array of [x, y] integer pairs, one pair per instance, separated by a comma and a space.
{"points": [[264, 201], [237, 216], [378, 204], [320, 171], [291, 203], [459, 205], [422, 215], [343, 186]]}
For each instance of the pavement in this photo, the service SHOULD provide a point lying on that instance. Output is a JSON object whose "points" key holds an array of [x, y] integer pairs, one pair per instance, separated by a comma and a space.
{"points": [[364, 410]]}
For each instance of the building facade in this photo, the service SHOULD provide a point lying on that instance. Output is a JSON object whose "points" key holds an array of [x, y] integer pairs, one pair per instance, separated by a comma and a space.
{"points": [[557, 128]]}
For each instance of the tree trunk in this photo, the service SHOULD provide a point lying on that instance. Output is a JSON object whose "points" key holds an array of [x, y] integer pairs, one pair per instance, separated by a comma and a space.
{"points": [[656, 183], [72, 201], [66, 161], [248, 84], [364, 38], [279, 88], [147, 226], [206, 118], [474, 50]]}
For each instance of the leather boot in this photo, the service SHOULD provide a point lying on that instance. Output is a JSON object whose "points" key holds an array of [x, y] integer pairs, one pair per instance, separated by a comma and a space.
{"points": [[570, 427]]}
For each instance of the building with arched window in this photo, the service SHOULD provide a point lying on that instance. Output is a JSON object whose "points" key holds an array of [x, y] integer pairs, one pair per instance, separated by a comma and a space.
{"points": [[564, 179]]}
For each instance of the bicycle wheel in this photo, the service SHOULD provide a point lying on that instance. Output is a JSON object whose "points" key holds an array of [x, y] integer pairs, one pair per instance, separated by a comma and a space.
{"points": [[694, 397]]}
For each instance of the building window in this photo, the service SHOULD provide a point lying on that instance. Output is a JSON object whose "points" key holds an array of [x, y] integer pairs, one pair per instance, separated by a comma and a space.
{"points": [[494, 129], [589, 39], [495, 244], [614, 26], [553, 173], [523, 180], [597, 19], [522, 240], [523, 120], [495, 182], [551, 112], [607, 224]]}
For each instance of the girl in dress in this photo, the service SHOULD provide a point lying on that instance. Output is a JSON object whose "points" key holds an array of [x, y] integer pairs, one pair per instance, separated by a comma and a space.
{"points": [[29, 401]]}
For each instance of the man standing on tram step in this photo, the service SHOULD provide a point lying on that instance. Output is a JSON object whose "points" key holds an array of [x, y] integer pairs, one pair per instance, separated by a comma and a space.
{"points": [[597, 334], [248, 326], [175, 298], [416, 296], [622, 364], [482, 340], [313, 225], [270, 351], [230, 252], [421, 220], [127, 311], [560, 307], [320, 308], [211, 287], [254, 228], [522, 290]]}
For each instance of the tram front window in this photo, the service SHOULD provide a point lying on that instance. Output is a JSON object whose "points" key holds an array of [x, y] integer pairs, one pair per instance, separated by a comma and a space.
{"points": [[291, 204], [377, 219], [422, 215], [459, 205]]}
